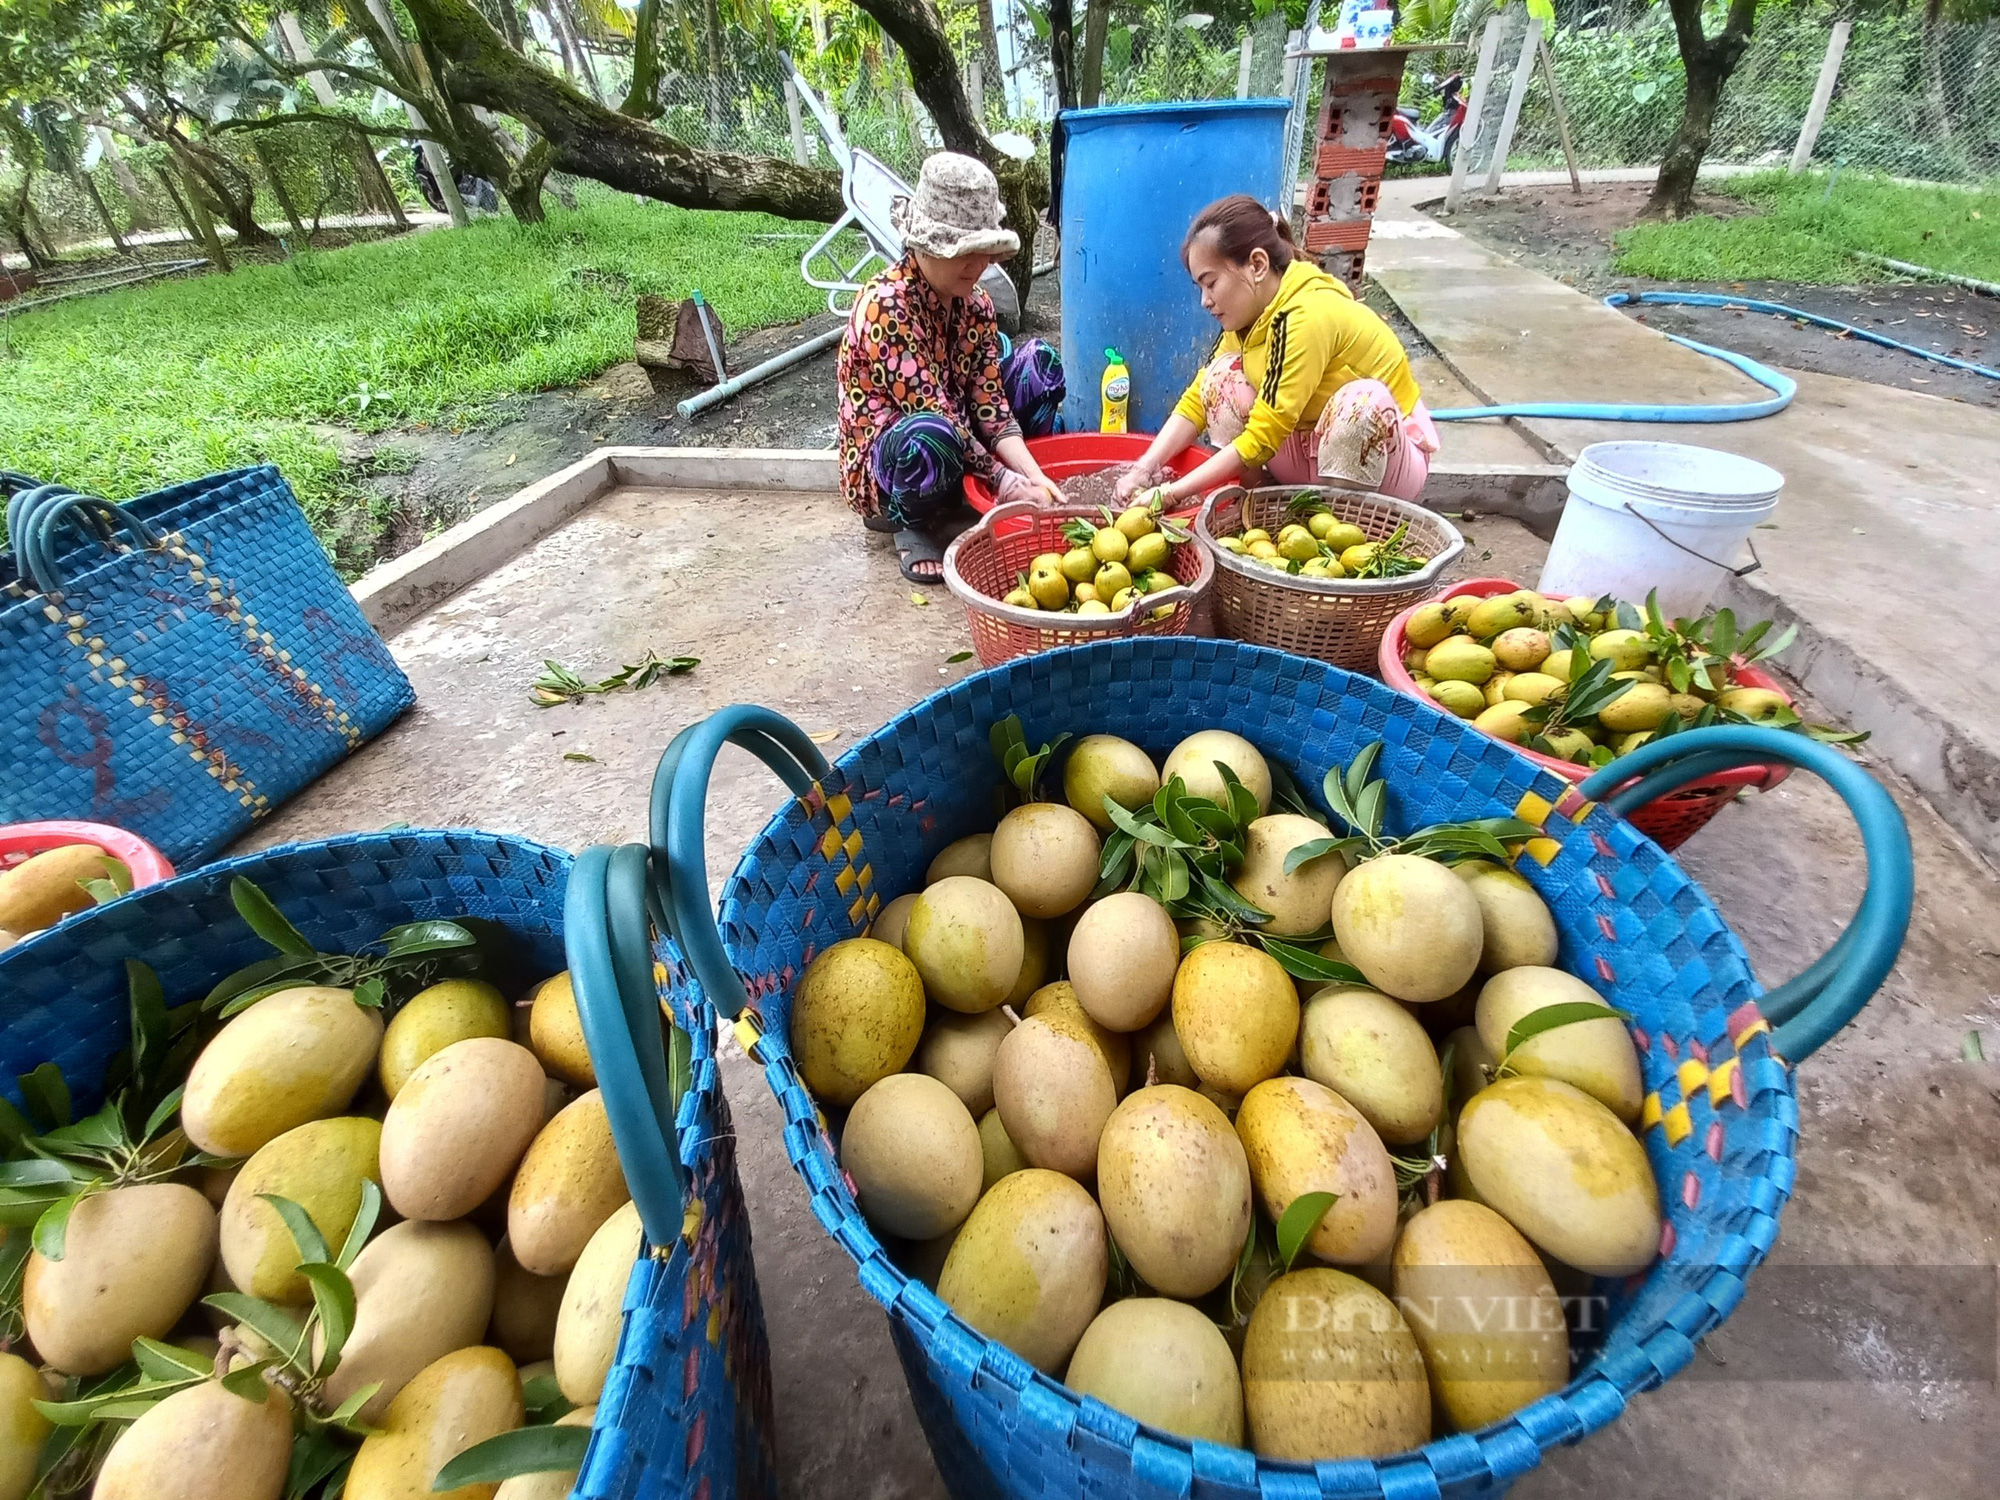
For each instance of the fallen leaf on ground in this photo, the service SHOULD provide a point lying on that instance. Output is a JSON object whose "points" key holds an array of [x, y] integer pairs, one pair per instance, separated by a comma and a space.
{"points": [[579, 755], [821, 736]]}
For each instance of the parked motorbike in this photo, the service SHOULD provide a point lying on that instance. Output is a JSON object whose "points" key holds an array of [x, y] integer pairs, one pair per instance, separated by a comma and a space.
{"points": [[1411, 141]]}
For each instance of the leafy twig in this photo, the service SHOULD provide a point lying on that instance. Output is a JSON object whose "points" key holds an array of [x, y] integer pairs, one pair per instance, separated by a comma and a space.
{"points": [[558, 684]]}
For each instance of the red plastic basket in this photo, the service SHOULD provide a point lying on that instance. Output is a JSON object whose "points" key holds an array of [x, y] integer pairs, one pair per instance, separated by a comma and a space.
{"points": [[1669, 821], [1065, 455], [20, 842], [980, 567]]}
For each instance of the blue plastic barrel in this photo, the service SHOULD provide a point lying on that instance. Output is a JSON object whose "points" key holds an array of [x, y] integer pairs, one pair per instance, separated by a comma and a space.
{"points": [[1132, 180]]}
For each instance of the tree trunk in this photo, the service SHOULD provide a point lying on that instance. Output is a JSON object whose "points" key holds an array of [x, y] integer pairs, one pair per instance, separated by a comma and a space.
{"points": [[510, 26], [1936, 104], [560, 12], [989, 54], [642, 100], [589, 140], [227, 185], [711, 29], [121, 173], [1096, 29], [371, 170], [19, 221], [103, 213], [1062, 51], [196, 213], [1709, 62], [278, 188]]}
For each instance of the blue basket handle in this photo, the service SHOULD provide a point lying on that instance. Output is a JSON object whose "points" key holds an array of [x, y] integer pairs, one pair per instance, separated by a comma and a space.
{"points": [[1811, 1007], [608, 939], [35, 518], [680, 799], [13, 483]]}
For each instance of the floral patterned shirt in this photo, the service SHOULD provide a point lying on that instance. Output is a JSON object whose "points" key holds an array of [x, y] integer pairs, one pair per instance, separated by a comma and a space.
{"points": [[908, 349]]}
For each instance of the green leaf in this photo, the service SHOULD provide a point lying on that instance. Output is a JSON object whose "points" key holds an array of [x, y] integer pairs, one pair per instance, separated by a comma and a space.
{"points": [[259, 976], [315, 1455], [544, 1400], [14, 1127], [414, 938], [1680, 675], [1242, 801], [1173, 812], [364, 1223], [52, 1227], [36, 1172], [1244, 1258], [1722, 633], [249, 1383], [371, 993], [164, 1111], [1309, 851], [1359, 770], [958, 656], [1628, 617], [101, 892], [526, 1450], [46, 1094], [274, 1325], [122, 1401], [305, 1234], [1335, 792], [1303, 963], [1549, 1017], [1370, 808], [166, 1362], [1296, 1225], [1785, 637], [1232, 903], [1005, 735], [1175, 881], [1655, 626], [264, 919], [1149, 833], [333, 1300], [345, 1414]]}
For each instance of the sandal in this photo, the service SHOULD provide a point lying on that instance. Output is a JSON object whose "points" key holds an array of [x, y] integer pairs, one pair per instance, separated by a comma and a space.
{"points": [[920, 550], [881, 524]]}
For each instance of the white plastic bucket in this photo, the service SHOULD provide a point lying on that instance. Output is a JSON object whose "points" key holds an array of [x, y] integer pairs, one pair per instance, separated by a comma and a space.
{"points": [[1665, 516]]}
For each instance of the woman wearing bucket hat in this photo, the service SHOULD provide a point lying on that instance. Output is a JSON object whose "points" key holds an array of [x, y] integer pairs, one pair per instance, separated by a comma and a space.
{"points": [[926, 395], [1306, 384]]}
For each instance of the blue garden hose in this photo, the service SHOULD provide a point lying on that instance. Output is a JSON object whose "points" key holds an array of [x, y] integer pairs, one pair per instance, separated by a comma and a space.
{"points": [[1782, 386], [1814, 1005]]}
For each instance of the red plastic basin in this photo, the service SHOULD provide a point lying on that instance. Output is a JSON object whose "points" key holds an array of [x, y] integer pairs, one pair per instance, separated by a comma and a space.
{"points": [[1064, 455]]}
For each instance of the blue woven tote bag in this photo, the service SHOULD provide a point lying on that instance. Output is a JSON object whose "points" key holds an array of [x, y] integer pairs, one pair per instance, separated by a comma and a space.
{"points": [[1719, 1119], [181, 664], [685, 1412]]}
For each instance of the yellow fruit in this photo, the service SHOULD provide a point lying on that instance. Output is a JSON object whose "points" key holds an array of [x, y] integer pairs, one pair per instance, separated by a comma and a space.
{"points": [[1531, 688], [134, 1258], [1454, 1264], [1123, 954], [1045, 857], [460, 1401], [1174, 1185], [1687, 705], [913, 1153], [1148, 552], [1301, 1137], [1046, 562], [1429, 625], [421, 1290], [1504, 721], [1557, 665], [1194, 761], [1321, 567], [1078, 564], [1263, 547], [1755, 704], [1522, 649], [1627, 648], [891, 920], [525, 1307], [1028, 1267], [588, 1324], [1628, 743], [320, 1166], [1102, 765], [1409, 925], [1112, 579], [1299, 901], [23, 1429], [1569, 744], [1641, 706], [1515, 922], [1296, 544], [971, 855], [1343, 535], [1358, 556], [1019, 598], [1459, 660], [1461, 698], [1137, 522], [1158, 1057], [1236, 1013], [1054, 1093], [294, 1056], [455, 1133], [1320, 522], [44, 888], [1563, 1170], [1085, 593], [1231, 544], [1376, 1055], [1256, 534], [999, 1156], [568, 1183], [1113, 1046], [1162, 1363], [1331, 1370], [555, 1033], [1050, 588], [1110, 545], [201, 1443], [1596, 1056], [966, 940], [552, 1484], [1494, 690], [857, 1015], [1496, 616], [434, 1019], [958, 1052]]}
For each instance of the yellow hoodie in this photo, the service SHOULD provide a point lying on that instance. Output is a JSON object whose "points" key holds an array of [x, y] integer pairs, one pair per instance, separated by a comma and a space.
{"points": [[1313, 339]]}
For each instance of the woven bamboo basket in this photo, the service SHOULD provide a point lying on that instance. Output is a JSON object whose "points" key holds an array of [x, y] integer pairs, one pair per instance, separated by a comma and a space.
{"points": [[982, 564], [1338, 620]]}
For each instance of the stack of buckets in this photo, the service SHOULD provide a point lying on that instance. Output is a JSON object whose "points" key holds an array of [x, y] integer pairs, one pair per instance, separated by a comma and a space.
{"points": [[1658, 516]]}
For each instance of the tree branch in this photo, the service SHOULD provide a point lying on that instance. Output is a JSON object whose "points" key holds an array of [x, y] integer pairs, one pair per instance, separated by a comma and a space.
{"points": [[291, 70], [402, 130], [916, 27]]}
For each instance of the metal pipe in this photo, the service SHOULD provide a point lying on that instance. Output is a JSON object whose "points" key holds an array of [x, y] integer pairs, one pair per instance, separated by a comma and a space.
{"points": [[707, 332], [717, 394], [1972, 283]]}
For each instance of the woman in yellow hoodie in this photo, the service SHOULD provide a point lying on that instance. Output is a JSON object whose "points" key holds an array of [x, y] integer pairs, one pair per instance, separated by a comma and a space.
{"points": [[1306, 384]]}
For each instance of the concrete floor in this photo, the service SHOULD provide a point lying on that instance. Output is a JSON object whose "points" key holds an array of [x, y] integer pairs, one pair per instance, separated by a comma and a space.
{"points": [[1899, 1135], [1890, 495]]}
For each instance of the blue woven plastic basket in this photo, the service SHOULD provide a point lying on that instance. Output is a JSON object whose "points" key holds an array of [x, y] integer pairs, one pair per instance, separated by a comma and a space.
{"points": [[179, 665], [685, 1414], [1720, 1114]]}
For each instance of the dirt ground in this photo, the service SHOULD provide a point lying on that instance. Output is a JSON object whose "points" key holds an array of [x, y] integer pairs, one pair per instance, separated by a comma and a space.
{"points": [[1569, 236]]}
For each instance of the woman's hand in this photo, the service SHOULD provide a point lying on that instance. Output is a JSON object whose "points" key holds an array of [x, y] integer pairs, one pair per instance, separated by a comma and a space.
{"points": [[1145, 474], [1050, 492]]}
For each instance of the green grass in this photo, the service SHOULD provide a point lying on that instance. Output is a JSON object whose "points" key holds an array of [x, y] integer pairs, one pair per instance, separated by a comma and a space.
{"points": [[1797, 231], [127, 391]]}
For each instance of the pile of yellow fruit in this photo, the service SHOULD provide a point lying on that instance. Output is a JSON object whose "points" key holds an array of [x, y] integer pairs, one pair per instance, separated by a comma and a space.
{"points": [[1323, 546], [316, 1233], [1574, 678], [1176, 1094], [1107, 568]]}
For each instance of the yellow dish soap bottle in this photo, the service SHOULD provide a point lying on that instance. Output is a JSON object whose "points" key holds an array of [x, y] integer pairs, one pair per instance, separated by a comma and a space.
{"points": [[1115, 390]]}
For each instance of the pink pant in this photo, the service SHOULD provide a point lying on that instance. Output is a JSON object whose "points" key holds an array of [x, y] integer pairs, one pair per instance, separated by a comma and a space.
{"points": [[1361, 439]]}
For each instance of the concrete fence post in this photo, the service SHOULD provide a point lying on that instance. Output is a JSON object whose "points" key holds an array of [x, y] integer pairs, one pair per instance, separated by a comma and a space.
{"points": [[793, 116], [1243, 68], [1489, 43], [1829, 73], [1524, 67]]}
